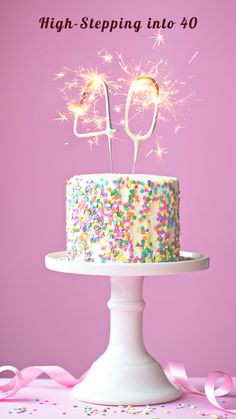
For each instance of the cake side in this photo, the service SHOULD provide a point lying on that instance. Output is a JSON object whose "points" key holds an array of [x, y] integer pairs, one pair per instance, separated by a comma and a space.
{"points": [[122, 218]]}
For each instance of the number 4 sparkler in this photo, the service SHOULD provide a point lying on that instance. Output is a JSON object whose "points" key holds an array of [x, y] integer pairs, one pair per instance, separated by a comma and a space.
{"points": [[109, 131]]}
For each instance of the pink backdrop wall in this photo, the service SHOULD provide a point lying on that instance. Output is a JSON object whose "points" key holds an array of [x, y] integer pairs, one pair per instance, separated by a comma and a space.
{"points": [[52, 318]]}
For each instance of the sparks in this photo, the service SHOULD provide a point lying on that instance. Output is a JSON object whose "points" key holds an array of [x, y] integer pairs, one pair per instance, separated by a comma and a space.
{"points": [[73, 108], [92, 141], [149, 153], [105, 56], [121, 63], [169, 97], [160, 150], [85, 83], [93, 77], [62, 117], [158, 39], [177, 128], [59, 75], [117, 108], [83, 91], [193, 57], [99, 122]]}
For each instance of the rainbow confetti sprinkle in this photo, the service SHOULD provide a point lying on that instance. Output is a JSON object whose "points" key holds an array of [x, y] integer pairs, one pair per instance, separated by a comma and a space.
{"points": [[123, 218]]}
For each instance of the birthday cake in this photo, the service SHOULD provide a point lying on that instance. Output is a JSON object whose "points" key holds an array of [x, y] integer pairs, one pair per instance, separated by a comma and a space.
{"points": [[122, 218]]}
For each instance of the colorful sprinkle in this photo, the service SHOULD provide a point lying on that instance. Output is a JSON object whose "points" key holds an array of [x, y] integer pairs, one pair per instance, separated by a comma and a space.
{"points": [[115, 218]]}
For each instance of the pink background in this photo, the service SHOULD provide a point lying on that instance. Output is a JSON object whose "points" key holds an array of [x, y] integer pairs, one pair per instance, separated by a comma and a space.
{"points": [[52, 318]]}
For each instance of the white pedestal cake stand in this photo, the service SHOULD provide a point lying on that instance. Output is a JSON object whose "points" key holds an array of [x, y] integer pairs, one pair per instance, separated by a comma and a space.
{"points": [[125, 373]]}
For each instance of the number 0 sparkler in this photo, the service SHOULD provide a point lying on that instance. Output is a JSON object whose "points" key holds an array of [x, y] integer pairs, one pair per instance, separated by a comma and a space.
{"points": [[141, 85], [109, 131]]}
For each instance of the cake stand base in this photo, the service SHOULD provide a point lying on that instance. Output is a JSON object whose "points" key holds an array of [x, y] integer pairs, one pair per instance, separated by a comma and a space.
{"points": [[110, 384], [126, 374]]}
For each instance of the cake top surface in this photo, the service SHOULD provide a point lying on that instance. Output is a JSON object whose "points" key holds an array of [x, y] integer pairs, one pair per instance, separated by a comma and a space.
{"points": [[111, 176]]}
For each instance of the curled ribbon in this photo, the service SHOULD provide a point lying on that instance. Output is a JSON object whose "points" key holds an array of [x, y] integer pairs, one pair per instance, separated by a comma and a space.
{"points": [[24, 377], [176, 373]]}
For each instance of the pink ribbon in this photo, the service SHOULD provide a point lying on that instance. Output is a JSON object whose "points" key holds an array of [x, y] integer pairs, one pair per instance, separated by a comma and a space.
{"points": [[24, 377], [176, 373]]}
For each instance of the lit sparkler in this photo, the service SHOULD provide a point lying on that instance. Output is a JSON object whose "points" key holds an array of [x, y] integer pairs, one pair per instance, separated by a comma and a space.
{"points": [[142, 85], [73, 90], [96, 83], [83, 103], [169, 95]]}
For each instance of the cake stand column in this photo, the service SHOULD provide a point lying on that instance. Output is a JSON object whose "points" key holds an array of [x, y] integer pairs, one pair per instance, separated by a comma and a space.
{"points": [[126, 319], [126, 373]]}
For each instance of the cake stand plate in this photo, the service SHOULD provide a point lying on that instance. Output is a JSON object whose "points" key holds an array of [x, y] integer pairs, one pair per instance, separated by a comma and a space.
{"points": [[190, 262], [125, 373]]}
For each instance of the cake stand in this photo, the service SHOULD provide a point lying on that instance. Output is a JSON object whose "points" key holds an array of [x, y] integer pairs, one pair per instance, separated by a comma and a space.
{"points": [[125, 373]]}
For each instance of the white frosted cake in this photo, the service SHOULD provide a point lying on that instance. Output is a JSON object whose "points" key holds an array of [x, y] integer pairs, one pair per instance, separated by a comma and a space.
{"points": [[122, 218]]}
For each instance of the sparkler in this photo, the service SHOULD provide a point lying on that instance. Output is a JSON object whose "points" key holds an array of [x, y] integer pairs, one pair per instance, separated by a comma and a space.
{"points": [[83, 88], [140, 85], [98, 83]]}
